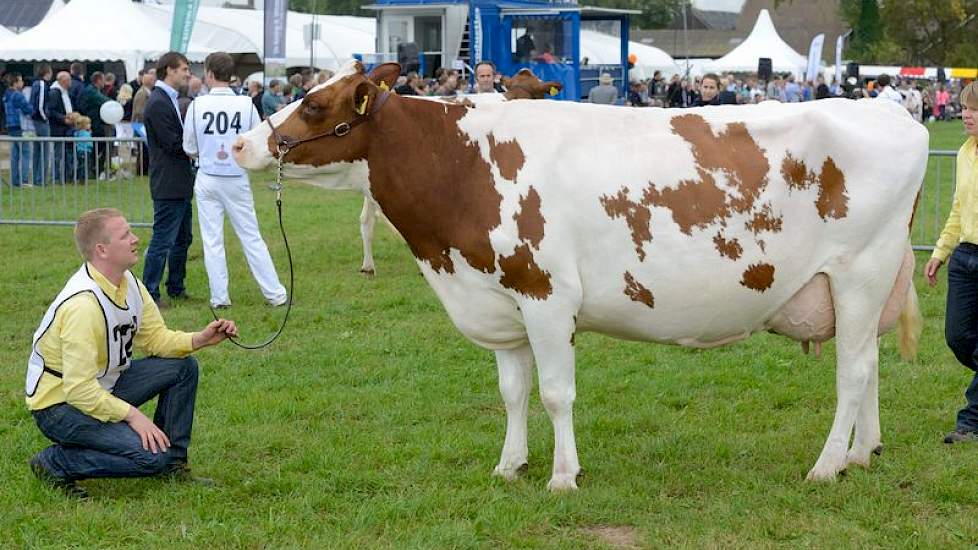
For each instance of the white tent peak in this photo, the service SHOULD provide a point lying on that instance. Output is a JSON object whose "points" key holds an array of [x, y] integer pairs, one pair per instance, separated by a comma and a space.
{"points": [[763, 41]]}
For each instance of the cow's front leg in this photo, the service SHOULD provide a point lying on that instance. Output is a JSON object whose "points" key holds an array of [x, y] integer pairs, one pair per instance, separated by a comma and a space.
{"points": [[368, 218], [515, 371], [550, 333]]}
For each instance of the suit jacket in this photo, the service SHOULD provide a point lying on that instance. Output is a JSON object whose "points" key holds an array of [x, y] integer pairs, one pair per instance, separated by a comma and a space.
{"points": [[171, 175], [54, 108]]}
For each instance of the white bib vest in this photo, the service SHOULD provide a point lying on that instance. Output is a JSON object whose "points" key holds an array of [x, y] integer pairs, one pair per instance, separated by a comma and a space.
{"points": [[121, 324], [218, 120]]}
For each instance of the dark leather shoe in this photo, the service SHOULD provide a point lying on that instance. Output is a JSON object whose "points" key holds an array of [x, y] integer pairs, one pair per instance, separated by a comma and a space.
{"points": [[958, 436], [64, 485], [181, 472]]}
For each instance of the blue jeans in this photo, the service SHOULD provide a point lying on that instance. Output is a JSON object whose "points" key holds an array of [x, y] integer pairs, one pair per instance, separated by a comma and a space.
{"points": [[20, 158], [63, 162], [961, 324], [42, 153], [172, 235], [86, 448]]}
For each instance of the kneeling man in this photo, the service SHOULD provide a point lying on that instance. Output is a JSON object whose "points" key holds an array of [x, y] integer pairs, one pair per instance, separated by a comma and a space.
{"points": [[84, 389]]}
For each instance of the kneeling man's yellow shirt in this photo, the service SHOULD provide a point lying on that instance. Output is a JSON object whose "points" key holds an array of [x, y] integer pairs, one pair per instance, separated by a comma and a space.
{"points": [[74, 345]]}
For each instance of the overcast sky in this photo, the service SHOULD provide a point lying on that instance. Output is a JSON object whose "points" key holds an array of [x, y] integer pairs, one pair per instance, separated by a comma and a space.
{"points": [[719, 5]]}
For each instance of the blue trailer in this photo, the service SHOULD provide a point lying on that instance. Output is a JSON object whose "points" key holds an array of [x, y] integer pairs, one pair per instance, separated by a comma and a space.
{"points": [[542, 35]]}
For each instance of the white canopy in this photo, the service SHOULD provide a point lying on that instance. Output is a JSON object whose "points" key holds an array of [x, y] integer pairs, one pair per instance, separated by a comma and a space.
{"points": [[242, 31], [762, 42], [604, 49], [96, 30], [6, 33]]}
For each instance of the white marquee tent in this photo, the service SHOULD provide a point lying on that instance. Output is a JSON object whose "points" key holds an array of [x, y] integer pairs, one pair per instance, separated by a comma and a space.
{"points": [[96, 30], [604, 49], [240, 31], [763, 41]]}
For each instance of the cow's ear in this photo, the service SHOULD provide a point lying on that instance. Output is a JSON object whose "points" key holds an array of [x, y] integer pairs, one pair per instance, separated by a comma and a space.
{"points": [[362, 97], [385, 75], [553, 87], [525, 72]]}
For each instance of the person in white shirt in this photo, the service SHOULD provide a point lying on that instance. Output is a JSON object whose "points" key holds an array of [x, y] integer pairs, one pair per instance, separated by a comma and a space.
{"points": [[887, 91], [212, 124]]}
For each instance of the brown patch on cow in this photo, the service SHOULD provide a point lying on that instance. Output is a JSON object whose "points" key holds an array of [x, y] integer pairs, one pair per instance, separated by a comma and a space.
{"points": [[637, 292], [764, 220], [730, 249], [758, 277], [529, 220], [832, 201], [693, 203], [637, 216], [507, 155], [732, 151], [436, 205], [522, 274]]}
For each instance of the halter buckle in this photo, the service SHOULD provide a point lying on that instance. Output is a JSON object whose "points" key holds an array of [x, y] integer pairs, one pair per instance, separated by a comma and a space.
{"points": [[342, 129]]}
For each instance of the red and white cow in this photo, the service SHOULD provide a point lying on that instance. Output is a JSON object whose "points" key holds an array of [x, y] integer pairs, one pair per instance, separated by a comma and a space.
{"points": [[523, 85], [535, 220]]}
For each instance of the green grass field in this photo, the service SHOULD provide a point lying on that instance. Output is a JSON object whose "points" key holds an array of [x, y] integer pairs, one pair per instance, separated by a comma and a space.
{"points": [[373, 423]]}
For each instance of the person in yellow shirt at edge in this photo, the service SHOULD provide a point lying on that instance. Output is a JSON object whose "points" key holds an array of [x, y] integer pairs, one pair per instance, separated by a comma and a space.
{"points": [[959, 240], [83, 388]]}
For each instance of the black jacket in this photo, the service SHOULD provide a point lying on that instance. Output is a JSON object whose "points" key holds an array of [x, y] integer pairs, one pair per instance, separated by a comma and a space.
{"points": [[171, 175], [54, 108]]}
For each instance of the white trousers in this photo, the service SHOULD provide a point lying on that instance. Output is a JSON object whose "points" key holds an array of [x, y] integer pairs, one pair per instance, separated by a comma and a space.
{"points": [[219, 195]]}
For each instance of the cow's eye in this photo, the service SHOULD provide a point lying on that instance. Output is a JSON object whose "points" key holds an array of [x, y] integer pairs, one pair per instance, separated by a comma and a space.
{"points": [[311, 109]]}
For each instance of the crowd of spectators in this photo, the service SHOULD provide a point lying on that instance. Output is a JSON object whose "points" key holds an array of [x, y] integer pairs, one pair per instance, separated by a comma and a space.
{"points": [[925, 99]]}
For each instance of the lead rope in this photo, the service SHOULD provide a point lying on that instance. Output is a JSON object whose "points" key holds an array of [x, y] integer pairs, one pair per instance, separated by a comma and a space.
{"points": [[282, 150]]}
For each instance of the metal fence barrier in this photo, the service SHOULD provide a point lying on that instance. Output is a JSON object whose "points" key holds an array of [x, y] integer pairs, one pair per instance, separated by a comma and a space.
{"points": [[73, 175], [52, 180]]}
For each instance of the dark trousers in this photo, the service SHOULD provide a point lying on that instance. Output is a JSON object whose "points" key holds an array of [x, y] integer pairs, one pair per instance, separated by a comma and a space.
{"points": [[961, 324], [86, 447], [172, 235]]}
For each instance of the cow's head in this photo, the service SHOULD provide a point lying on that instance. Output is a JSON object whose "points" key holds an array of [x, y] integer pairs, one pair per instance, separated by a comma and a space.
{"points": [[526, 85], [312, 132]]}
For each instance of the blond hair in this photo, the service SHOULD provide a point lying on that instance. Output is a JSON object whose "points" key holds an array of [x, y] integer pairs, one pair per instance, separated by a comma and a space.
{"points": [[969, 96], [125, 93], [90, 230], [84, 123]]}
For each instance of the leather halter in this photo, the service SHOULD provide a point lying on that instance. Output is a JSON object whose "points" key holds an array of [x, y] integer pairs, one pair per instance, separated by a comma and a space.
{"points": [[286, 143]]}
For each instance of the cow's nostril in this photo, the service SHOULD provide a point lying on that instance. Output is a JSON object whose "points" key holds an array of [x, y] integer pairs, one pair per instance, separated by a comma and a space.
{"points": [[239, 145]]}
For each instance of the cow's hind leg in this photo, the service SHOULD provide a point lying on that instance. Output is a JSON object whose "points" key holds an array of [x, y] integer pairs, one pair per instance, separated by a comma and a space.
{"points": [[550, 331], [515, 372], [858, 297], [867, 439], [368, 218]]}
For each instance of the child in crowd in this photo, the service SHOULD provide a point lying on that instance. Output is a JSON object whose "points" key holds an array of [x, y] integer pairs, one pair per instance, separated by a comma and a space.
{"points": [[83, 149]]}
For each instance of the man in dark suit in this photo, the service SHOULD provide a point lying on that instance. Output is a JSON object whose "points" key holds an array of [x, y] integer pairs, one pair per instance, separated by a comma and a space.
{"points": [[171, 181], [57, 107], [41, 153], [77, 82]]}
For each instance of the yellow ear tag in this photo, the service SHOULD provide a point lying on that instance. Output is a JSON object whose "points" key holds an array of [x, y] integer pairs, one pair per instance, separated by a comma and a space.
{"points": [[553, 90], [363, 106], [384, 86]]}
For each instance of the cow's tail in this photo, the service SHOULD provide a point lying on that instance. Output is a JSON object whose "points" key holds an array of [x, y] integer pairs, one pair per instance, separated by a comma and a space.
{"points": [[910, 325]]}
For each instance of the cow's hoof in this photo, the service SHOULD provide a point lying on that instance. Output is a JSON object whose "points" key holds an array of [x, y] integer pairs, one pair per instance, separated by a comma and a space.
{"points": [[510, 474], [560, 483], [367, 272], [822, 473], [856, 458], [878, 450]]}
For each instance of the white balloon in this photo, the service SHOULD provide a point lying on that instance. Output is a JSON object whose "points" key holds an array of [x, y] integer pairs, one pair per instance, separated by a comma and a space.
{"points": [[111, 112]]}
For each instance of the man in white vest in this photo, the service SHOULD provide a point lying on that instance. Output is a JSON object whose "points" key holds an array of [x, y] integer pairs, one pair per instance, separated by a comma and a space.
{"points": [[83, 387], [212, 125]]}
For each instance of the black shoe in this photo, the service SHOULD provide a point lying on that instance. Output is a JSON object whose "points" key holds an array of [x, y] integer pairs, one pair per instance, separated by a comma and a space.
{"points": [[180, 471], [66, 486], [959, 436], [183, 296]]}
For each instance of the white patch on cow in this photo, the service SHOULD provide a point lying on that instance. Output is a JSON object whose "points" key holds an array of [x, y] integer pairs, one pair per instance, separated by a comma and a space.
{"points": [[349, 69]]}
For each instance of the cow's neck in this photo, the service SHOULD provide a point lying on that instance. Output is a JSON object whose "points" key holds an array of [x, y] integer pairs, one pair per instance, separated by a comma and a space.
{"points": [[433, 183]]}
